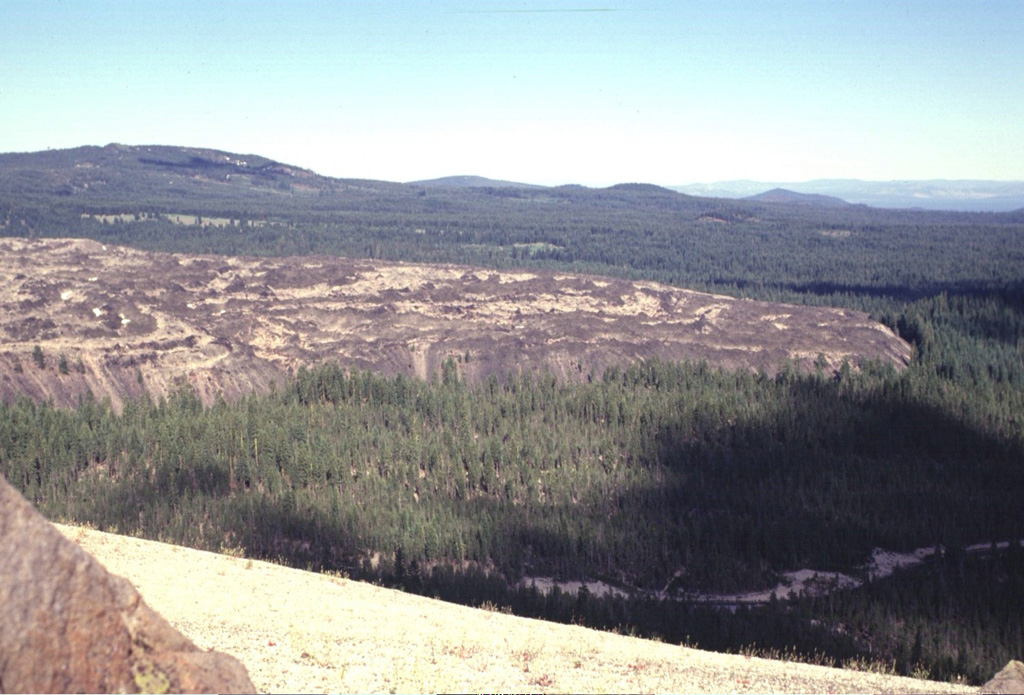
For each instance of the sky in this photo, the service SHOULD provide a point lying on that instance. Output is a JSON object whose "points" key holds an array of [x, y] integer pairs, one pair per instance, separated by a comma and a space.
{"points": [[593, 92]]}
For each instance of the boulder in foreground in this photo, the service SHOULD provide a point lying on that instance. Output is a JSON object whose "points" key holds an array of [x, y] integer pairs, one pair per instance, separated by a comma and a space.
{"points": [[1009, 680], [67, 625]]}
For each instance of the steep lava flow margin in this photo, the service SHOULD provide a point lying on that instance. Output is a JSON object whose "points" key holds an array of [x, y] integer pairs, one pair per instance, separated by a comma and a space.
{"points": [[76, 315]]}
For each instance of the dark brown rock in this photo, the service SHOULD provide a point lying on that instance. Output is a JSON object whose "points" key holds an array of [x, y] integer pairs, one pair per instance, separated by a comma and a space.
{"points": [[134, 322], [68, 625], [1009, 680]]}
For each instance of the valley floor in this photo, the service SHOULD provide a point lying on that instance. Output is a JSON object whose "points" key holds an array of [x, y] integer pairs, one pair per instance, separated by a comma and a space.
{"points": [[298, 631], [797, 583]]}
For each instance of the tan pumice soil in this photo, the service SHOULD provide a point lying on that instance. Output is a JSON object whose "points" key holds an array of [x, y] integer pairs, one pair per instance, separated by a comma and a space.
{"points": [[298, 631]]}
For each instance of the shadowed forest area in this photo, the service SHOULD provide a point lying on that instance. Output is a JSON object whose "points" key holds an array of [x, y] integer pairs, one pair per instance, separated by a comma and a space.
{"points": [[652, 477]]}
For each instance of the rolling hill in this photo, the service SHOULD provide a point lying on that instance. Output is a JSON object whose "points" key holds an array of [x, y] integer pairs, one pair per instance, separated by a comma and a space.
{"points": [[472, 182], [782, 195]]}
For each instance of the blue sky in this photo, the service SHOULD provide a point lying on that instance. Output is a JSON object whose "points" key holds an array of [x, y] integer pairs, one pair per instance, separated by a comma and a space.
{"points": [[548, 91]]}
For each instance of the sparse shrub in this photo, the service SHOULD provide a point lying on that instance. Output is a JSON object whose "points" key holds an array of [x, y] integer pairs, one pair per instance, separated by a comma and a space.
{"points": [[492, 607], [232, 551]]}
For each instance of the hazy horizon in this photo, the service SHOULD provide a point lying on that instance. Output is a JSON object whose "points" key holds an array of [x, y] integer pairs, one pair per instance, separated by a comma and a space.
{"points": [[664, 93]]}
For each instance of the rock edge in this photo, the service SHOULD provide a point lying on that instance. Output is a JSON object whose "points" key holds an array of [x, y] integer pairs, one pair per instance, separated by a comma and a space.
{"points": [[68, 625]]}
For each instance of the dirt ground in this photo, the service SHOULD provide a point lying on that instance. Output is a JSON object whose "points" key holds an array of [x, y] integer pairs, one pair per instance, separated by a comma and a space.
{"points": [[118, 322], [297, 631]]}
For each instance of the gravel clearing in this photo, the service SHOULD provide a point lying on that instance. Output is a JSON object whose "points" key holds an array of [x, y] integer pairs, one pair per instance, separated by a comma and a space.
{"points": [[299, 631]]}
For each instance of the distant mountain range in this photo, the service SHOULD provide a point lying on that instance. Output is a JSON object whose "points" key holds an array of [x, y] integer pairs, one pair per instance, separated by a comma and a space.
{"points": [[472, 182], [937, 194], [181, 172]]}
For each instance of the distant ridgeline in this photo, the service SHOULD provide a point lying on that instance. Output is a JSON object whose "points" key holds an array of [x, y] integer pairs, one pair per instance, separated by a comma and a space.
{"points": [[937, 194], [654, 475], [191, 200]]}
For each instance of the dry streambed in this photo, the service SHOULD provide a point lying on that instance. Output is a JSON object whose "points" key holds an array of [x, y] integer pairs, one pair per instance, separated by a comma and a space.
{"points": [[297, 631]]}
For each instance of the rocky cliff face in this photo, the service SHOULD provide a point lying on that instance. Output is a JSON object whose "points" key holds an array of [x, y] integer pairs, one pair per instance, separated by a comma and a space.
{"points": [[76, 316]]}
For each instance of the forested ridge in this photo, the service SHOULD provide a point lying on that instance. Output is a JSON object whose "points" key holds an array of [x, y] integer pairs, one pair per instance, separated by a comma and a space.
{"points": [[648, 476]]}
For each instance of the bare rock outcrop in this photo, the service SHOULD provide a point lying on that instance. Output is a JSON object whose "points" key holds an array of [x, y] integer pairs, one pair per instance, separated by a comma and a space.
{"points": [[1009, 680], [78, 317], [67, 625]]}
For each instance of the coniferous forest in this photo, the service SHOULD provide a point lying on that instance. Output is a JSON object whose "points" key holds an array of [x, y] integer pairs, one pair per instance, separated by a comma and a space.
{"points": [[666, 480]]}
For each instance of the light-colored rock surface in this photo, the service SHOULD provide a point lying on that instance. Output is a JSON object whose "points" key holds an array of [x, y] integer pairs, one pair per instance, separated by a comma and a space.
{"points": [[303, 632], [1009, 680]]}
